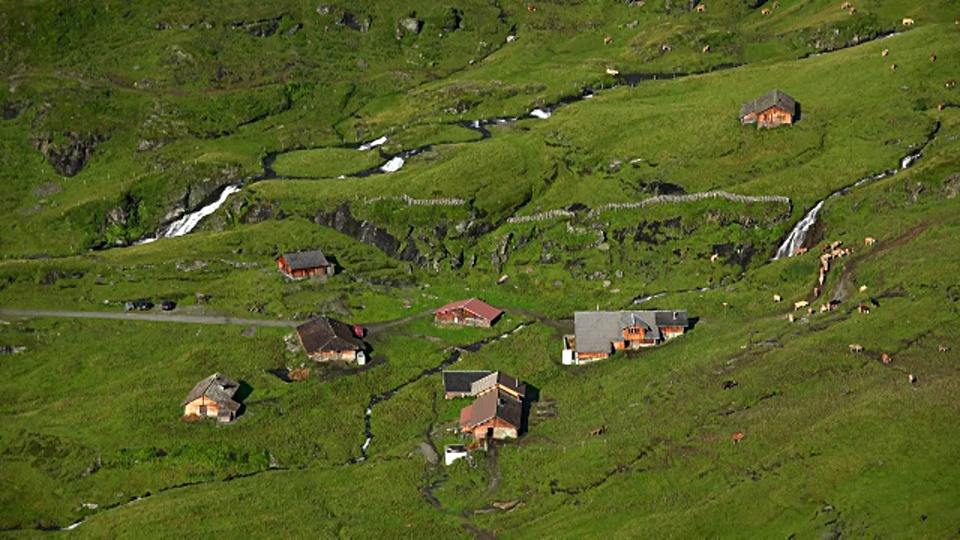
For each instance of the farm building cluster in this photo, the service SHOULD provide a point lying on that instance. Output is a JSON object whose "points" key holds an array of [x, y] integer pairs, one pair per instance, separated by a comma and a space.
{"points": [[495, 414]]}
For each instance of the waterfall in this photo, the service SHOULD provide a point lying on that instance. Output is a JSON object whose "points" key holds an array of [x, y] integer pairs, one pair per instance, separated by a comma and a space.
{"points": [[799, 233], [187, 223]]}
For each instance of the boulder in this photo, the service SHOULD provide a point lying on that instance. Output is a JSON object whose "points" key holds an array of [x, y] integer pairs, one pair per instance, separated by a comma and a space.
{"points": [[411, 25]]}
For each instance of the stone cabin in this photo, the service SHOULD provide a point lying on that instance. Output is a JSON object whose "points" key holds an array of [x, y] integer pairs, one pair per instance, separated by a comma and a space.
{"points": [[326, 340], [598, 334], [775, 108], [472, 312], [213, 398], [303, 264]]}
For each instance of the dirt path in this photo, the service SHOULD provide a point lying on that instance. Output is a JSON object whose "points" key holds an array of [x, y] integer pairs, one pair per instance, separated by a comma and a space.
{"points": [[153, 317], [845, 283]]}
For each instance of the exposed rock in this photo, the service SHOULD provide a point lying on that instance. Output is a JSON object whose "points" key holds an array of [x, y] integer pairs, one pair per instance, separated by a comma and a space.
{"points": [[325, 9], [354, 22], [46, 189], [410, 252], [294, 29], [411, 24], [264, 28], [69, 158], [257, 213], [13, 109], [453, 20], [117, 216], [343, 221], [428, 453], [12, 349]]}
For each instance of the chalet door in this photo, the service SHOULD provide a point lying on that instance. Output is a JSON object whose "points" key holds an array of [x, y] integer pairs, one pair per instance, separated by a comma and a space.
{"points": [[203, 410], [489, 432]]}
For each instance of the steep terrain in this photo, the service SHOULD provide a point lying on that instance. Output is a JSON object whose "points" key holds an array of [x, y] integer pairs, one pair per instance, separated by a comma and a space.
{"points": [[591, 152]]}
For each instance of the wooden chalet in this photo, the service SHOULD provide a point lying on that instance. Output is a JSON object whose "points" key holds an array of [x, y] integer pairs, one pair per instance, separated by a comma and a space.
{"points": [[212, 398], [457, 384], [472, 312], [598, 334], [326, 340], [496, 414], [775, 108], [303, 264]]}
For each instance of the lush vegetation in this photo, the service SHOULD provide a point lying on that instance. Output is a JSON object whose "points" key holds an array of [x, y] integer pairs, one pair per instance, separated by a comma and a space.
{"points": [[107, 140]]}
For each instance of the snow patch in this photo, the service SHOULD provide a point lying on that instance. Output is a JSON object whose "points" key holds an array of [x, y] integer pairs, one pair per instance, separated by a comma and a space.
{"points": [[393, 165]]}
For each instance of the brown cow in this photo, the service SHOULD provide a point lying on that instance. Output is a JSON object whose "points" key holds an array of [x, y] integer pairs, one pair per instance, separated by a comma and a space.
{"points": [[736, 437], [776, 5], [799, 251], [531, 7], [943, 348], [893, 66], [701, 8], [951, 83], [885, 358], [845, 5], [765, 11], [869, 241], [598, 431], [884, 52], [607, 40], [862, 308], [933, 58], [706, 49]]}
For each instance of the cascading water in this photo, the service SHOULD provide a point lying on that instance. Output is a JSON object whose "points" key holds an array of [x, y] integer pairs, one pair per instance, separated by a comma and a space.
{"points": [[799, 233], [188, 222]]}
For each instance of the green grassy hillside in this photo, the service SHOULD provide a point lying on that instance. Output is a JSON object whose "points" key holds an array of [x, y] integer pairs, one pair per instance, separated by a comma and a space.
{"points": [[118, 120]]}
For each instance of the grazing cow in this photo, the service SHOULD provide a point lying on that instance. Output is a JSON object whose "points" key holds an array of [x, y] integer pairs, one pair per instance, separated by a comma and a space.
{"points": [[714, 257], [856, 347], [933, 58], [822, 278], [863, 288], [907, 21], [790, 317], [607, 40], [598, 431], [801, 304], [701, 8], [885, 52], [824, 307], [737, 437], [845, 5], [809, 311], [531, 7], [911, 378], [799, 251], [942, 348], [729, 384], [613, 72], [776, 5], [666, 47], [874, 301], [511, 39], [893, 66], [835, 244], [816, 292], [951, 83], [725, 306], [869, 241], [776, 298], [885, 358], [940, 106], [853, 10], [706, 49], [862, 308], [765, 11]]}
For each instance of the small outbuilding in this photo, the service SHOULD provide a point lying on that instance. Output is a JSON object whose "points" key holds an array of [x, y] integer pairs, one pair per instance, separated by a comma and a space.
{"points": [[472, 312], [303, 264], [453, 452], [326, 340], [775, 108], [212, 398]]}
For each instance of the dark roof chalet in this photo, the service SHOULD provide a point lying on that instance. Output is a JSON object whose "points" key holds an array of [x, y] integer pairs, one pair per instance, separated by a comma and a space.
{"points": [[304, 260], [492, 405], [772, 98], [672, 318], [473, 305], [217, 388], [498, 379], [461, 381], [324, 334]]}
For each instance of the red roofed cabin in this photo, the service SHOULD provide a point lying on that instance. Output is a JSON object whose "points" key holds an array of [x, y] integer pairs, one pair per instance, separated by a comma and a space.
{"points": [[326, 340], [775, 108], [470, 312], [304, 264]]}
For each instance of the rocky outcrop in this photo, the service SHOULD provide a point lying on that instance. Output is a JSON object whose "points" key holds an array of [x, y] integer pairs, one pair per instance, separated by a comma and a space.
{"points": [[354, 22], [411, 25], [342, 221], [13, 109], [69, 157]]}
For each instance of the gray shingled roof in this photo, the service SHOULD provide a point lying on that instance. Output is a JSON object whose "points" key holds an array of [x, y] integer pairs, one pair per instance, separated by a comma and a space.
{"points": [[595, 331], [303, 260], [217, 388], [500, 378], [770, 99], [323, 334], [460, 381]]}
